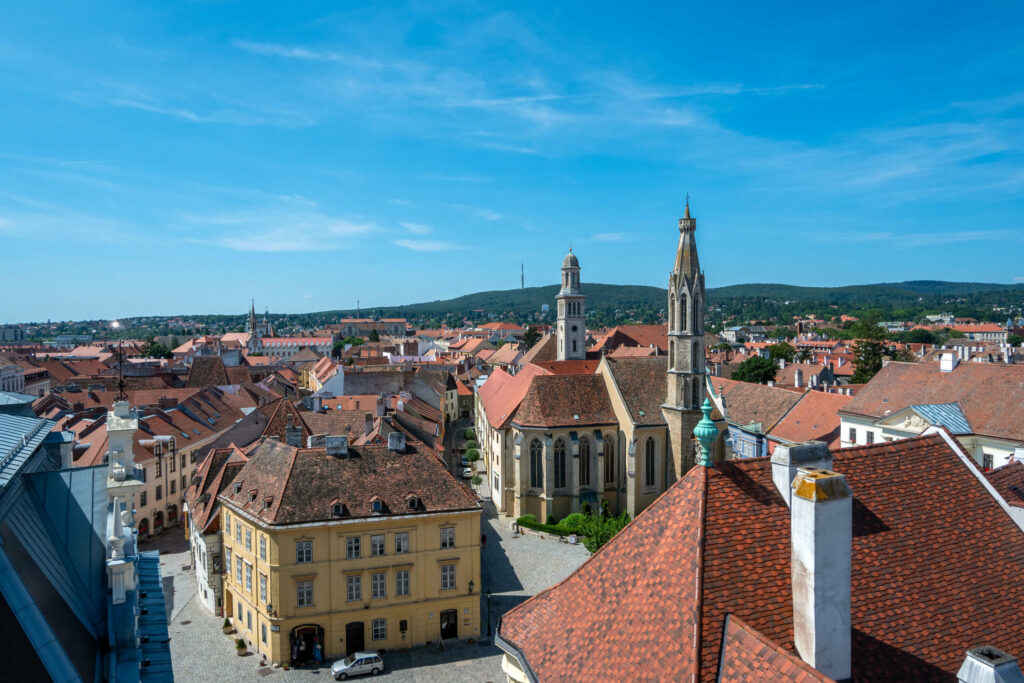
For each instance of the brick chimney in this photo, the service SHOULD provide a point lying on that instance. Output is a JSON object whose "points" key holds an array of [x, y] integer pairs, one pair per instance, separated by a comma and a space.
{"points": [[821, 533], [368, 427]]}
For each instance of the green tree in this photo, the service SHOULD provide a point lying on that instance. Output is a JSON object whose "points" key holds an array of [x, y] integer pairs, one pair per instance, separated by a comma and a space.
{"points": [[756, 370], [869, 347], [781, 351], [374, 337], [154, 350], [530, 337], [803, 355], [1014, 340]]}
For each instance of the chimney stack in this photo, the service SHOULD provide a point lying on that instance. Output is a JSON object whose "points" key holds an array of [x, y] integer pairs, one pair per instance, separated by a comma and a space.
{"points": [[293, 433], [948, 362], [798, 378], [337, 445], [987, 664], [786, 460], [821, 533], [396, 442]]}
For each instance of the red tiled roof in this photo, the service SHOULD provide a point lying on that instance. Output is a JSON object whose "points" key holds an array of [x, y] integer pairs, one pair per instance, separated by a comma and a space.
{"points": [[749, 657], [211, 478], [569, 367], [641, 381], [502, 393], [565, 400], [1008, 480], [936, 569], [747, 403], [972, 385], [634, 335], [814, 418], [461, 389]]}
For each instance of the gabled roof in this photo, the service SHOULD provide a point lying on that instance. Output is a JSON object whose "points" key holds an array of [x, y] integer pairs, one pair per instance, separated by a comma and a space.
{"points": [[751, 404], [641, 381], [945, 414], [972, 385], [815, 417], [565, 401], [502, 393], [544, 349], [569, 367], [206, 371], [936, 567], [214, 474], [277, 414]]}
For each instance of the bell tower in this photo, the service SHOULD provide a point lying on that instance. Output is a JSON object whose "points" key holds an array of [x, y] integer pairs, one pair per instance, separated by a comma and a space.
{"points": [[572, 317], [686, 369]]}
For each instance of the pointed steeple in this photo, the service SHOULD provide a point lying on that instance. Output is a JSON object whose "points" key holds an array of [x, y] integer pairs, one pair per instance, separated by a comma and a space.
{"points": [[687, 264]]}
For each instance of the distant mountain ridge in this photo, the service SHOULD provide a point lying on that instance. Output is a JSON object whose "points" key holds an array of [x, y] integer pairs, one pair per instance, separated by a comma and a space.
{"points": [[531, 299]]}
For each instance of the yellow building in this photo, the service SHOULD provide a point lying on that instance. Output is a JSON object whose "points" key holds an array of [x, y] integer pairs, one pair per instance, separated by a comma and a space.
{"points": [[341, 547]]}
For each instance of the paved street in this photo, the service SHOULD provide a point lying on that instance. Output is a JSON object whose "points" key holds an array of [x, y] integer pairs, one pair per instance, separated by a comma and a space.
{"points": [[514, 567]]}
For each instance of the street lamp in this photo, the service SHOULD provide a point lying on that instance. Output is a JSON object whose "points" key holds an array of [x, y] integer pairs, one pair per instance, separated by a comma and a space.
{"points": [[471, 587], [488, 613]]}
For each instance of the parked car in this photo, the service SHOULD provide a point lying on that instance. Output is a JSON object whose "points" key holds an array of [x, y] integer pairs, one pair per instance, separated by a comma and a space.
{"points": [[356, 664], [467, 472], [465, 461]]}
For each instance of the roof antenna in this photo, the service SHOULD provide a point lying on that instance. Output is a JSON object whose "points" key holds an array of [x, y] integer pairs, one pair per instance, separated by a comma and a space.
{"points": [[120, 364]]}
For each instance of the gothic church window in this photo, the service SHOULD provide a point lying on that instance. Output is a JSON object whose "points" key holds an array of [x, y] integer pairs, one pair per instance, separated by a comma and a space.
{"points": [[649, 462], [536, 465], [584, 462], [609, 458], [560, 463]]}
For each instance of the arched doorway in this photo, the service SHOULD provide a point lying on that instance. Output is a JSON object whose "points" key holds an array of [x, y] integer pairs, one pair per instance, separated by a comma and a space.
{"points": [[307, 643], [158, 521], [172, 515], [144, 527]]}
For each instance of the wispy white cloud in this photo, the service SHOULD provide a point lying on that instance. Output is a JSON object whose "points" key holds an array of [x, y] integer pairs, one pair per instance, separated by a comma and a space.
{"points": [[920, 239], [416, 228], [428, 245], [278, 231], [1019, 279]]}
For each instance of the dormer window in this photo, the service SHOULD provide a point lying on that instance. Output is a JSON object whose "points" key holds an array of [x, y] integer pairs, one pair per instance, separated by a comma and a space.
{"points": [[267, 502], [252, 496], [336, 509], [377, 506], [237, 486]]}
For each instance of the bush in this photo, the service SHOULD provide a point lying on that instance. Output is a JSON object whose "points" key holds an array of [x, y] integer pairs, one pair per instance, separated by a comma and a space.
{"points": [[527, 518], [240, 644], [227, 623], [471, 444], [551, 520], [476, 480], [472, 455], [470, 434], [573, 523]]}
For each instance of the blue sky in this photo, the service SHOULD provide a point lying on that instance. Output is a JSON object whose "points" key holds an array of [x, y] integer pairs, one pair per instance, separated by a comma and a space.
{"points": [[164, 158]]}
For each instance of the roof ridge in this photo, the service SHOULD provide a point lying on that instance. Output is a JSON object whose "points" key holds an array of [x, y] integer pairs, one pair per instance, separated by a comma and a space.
{"points": [[698, 626]]}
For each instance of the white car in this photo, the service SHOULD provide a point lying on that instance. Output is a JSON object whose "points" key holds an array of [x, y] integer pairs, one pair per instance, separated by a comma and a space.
{"points": [[356, 664], [467, 472]]}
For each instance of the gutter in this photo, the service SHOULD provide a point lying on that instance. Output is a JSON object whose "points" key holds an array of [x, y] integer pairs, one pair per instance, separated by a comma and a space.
{"points": [[513, 651]]}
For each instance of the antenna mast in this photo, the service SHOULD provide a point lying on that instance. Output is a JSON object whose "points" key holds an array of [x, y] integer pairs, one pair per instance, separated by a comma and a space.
{"points": [[522, 275]]}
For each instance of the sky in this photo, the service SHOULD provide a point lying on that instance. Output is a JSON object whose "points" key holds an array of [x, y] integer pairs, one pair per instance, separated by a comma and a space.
{"points": [[174, 158]]}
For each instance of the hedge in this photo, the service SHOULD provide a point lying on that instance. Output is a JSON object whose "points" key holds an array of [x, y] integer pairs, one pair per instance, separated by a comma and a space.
{"points": [[530, 522]]}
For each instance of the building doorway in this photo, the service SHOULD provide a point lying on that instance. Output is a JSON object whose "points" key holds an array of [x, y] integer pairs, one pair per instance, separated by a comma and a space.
{"points": [[172, 515], [449, 624], [144, 528], [355, 637], [307, 644], [158, 521]]}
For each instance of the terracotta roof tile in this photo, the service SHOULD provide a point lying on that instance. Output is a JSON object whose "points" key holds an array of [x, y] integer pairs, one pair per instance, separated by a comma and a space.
{"points": [[642, 384], [565, 400], [814, 418], [1008, 480], [936, 569], [747, 403]]}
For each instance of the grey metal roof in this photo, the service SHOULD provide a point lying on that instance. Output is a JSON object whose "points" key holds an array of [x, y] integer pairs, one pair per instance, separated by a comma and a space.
{"points": [[948, 415], [11, 398], [19, 438]]}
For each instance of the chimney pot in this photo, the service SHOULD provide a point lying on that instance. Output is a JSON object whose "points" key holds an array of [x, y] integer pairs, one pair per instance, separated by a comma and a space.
{"points": [[787, 459], [988, 664]]}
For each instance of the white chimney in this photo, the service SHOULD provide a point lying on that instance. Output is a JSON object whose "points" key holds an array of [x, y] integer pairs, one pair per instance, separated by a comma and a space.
{"points": [[821, 533], [798, 378], [948, 362], [987, 664], [786, 460], [337, 445]]}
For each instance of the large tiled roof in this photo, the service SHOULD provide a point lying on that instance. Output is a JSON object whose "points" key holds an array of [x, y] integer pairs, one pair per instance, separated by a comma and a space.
{"points": [[302, 484], [972, 385], [351, 423], [214, 474], [569, 367], [565, 401], [747, 403], [206, 371], [814, 418], [1008, 480], [635, 335], [502, 393], [544, 349], [936, 567], [642, 384], [750, 657]]}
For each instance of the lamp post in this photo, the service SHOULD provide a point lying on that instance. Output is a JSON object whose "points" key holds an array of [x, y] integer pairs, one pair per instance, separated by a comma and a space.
{"points": [[488, 613], [471, 587]]}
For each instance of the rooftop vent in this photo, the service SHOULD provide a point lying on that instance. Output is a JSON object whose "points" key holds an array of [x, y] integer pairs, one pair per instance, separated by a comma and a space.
{"points": [[336, 445], [987, 664], [396, 442]]}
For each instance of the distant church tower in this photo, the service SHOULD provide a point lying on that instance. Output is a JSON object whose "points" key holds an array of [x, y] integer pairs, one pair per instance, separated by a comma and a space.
{"points": [[685, 348], [250, 324], [572, 319]]}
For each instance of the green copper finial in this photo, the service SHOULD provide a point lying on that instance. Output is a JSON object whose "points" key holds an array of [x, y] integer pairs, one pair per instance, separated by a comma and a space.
{"points": [[706, 432]]}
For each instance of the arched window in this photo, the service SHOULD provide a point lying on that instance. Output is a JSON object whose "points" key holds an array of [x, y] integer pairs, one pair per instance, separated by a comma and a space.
{"points": [[574, 346], [536, 464], [649, 462], [560, 463], [584, 462], [609, 458]]}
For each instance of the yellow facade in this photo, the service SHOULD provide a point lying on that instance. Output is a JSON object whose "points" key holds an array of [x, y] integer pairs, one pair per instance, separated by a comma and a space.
{"points": [[273, 622]]}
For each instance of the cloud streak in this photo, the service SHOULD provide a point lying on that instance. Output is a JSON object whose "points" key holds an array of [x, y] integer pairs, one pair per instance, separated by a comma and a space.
{"points": [[427, 245]]}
